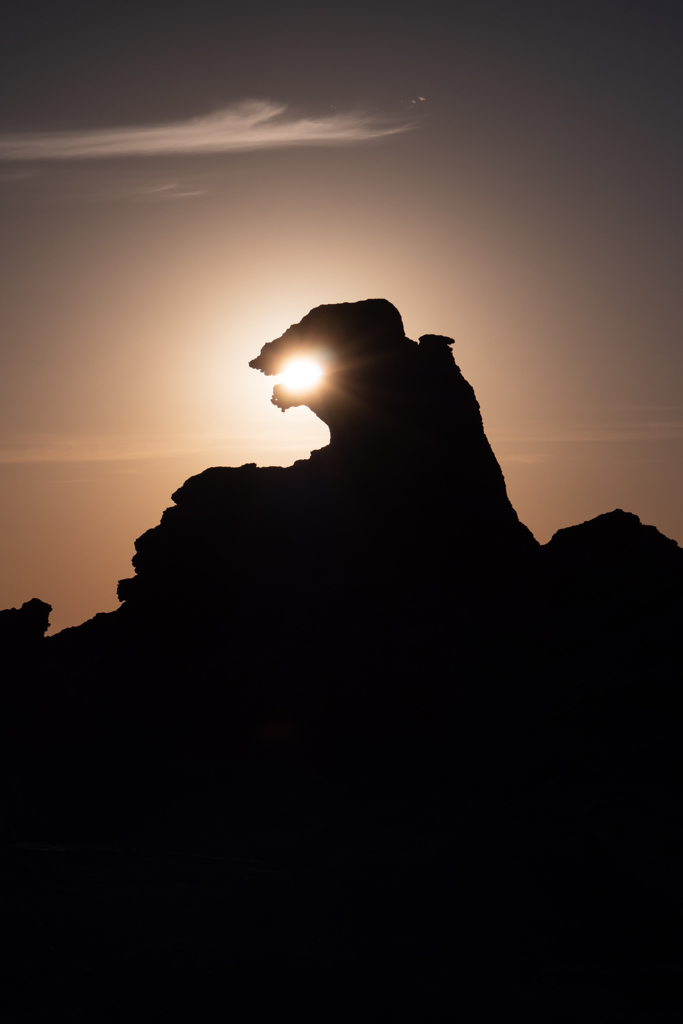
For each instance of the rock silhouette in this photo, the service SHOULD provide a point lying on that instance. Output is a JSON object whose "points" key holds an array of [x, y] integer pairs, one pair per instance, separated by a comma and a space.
{"points": [[374, 625], [403, 420], [408, 477], [24, 627]]}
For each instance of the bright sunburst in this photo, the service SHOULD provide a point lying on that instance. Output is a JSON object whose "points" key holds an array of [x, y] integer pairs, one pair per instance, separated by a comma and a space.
{"points": [[301, 374]]}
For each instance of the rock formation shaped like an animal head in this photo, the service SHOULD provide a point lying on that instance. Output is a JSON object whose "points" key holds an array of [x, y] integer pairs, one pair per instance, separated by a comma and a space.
{"points": [[393, 405], [371, 372]]}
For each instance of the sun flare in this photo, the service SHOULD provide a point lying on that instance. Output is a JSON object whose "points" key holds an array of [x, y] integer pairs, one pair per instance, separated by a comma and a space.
{"points": [[301, 374]]}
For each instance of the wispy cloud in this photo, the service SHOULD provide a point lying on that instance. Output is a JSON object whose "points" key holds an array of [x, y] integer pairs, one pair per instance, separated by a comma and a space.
{"points": [[254, 124], [102, 448], [657, 431], [229, 450], [533, 458]]}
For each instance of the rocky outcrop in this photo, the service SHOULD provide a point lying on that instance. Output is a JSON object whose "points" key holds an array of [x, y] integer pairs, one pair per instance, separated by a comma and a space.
{"points": [[376, 621], [25, 627], [407, 499], [615, 560], [404, 423]]}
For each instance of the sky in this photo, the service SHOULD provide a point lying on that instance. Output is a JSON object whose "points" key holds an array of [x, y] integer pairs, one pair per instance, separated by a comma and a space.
{"points": [[181, 181]]}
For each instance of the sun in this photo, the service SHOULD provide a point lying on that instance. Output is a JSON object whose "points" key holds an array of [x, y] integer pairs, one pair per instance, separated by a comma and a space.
{"points": [[301, 374]]}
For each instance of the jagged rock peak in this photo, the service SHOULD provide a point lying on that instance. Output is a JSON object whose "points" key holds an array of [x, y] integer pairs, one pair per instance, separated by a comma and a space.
{"points": [[26, 625], [395, 407], [378, 386]]}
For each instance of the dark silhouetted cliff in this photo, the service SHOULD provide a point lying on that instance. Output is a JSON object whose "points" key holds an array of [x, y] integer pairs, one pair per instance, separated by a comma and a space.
{"points": [[24, 627], [407, 493], [373, 627]]}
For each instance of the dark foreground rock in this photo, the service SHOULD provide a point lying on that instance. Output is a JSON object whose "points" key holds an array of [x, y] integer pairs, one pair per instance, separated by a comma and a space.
{"points": [[354, 740], [23, 628]]}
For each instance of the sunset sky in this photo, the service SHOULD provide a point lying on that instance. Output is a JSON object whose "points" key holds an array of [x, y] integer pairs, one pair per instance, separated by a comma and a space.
{"points": [[181, 181]]}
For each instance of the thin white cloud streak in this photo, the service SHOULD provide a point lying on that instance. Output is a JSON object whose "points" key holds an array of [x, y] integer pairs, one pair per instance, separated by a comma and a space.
{"points": [[118, 448], [620, 432], [123, 447], [254, 124], [532, 459]]}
